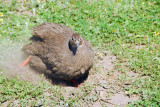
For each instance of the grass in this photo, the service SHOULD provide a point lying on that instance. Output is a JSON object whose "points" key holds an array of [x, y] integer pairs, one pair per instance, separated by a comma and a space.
{"points": [[128, 28]]}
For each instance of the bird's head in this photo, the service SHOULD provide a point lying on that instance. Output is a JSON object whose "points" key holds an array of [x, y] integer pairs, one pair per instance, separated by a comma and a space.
{"points": [[75, 40]]}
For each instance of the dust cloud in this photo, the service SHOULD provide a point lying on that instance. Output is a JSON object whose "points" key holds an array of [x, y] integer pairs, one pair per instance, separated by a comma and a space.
{"points": [[11, 58]]}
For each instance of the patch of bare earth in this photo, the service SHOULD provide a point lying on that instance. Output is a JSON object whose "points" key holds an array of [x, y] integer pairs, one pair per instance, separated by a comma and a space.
{"points": [[109, 88]]}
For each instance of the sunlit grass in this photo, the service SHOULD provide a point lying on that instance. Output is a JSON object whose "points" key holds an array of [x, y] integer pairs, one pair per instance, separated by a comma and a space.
{"points": [[117, 25]]}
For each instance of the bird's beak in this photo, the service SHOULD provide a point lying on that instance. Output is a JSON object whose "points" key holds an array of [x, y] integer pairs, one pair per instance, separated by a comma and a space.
{"points": [[77, 43]]}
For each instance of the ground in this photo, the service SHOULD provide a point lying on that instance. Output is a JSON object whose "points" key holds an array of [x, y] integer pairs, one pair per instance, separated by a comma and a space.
{"points": [[104, 81], [128, 31]]}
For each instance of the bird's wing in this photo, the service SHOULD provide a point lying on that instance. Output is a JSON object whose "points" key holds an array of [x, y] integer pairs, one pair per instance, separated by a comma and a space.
{"points": [[48, 30], [30, 49], [41, 31]]}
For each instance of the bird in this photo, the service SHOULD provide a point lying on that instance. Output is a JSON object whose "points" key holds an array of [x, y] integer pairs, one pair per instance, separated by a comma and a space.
{"points": [[60, 51]]}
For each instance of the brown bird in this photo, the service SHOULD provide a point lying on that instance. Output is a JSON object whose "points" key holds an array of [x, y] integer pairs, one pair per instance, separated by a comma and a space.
{"points": [[58, 49]]}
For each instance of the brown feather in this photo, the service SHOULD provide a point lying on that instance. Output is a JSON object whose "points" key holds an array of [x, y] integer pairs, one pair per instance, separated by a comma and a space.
{"points": [[52, 48]]}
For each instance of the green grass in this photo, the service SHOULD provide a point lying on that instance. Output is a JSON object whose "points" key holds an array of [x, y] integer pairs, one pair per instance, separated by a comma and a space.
{"points": [[117, 25]]}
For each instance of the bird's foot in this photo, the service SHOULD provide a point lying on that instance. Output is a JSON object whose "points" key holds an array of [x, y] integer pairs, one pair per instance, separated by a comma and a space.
{"points": [[25, 62], [75, 84]]}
